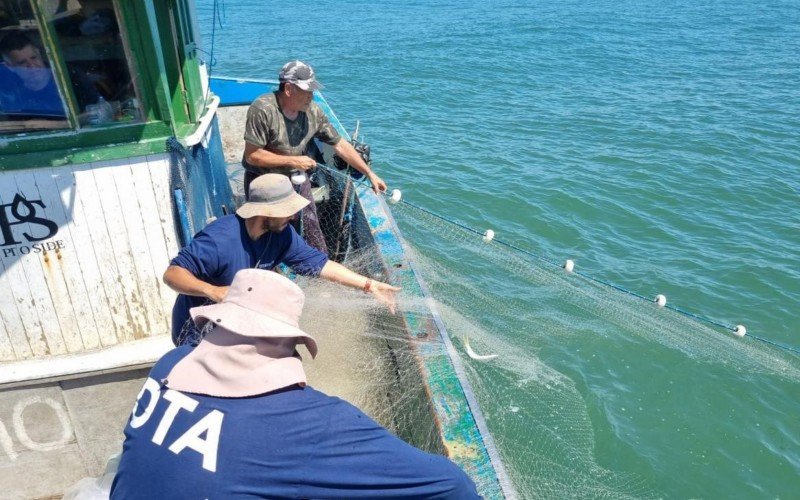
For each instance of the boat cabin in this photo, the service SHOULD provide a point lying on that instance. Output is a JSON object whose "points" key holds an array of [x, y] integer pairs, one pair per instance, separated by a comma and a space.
{"points": [[98, 72]]}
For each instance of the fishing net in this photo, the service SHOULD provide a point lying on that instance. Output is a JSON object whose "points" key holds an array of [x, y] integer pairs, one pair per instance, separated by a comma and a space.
{"points": [[537, 413], [533, 315], [569, 303], [375, 361], [539, 417], [204, 190]]}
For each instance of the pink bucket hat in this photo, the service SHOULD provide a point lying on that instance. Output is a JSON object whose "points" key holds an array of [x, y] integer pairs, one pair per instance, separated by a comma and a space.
{"points": [[259, 304], [251, 349]]}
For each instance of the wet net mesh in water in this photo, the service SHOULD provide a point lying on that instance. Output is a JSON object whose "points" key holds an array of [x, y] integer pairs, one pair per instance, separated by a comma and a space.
{"points": [[538, 417], [515, 306]]}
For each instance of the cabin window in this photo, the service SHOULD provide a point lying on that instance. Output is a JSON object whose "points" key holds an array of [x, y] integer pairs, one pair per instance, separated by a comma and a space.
{"points": [[85, 83], [88, 35]]}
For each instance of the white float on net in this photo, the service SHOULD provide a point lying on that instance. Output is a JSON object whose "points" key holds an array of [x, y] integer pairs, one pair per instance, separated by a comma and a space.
{"points": [[298, 177], [740, 331], [660, 300], [569, 265], [395, 196], [488, 236]]}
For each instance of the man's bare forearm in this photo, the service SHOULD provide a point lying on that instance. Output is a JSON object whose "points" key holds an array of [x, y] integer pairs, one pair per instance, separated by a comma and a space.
{"points": [[182, 281], [262, 158], [333, 271], [383, 292], [349, 154]]}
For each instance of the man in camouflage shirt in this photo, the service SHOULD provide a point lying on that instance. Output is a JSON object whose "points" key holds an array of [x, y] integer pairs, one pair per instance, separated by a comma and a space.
{"points": [[279, 130]]}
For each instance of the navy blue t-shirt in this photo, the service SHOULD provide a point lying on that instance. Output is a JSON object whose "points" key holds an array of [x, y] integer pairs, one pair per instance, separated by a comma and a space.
{"points": [[224, 248], [291, 443]]}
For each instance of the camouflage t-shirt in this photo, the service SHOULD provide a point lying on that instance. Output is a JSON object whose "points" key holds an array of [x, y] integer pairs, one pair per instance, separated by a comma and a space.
{"points": [[268, 128]]}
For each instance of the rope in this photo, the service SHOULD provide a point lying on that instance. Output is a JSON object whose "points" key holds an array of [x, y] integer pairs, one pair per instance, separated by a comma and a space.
{"points": [[350, 206], [554, 263], [212, 61], [776, 344], [584, 275]]}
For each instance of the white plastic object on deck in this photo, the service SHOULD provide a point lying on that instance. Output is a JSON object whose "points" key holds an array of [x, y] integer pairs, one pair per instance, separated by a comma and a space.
{"points": [[472, 354], [488, 236], [569, 265], [740, 331], [298, 177], [660, 300], [395, 196]]}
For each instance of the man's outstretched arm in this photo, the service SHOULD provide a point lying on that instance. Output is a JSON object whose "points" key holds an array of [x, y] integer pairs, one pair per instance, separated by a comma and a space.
{"points": [[349, 154], [383, 292]]}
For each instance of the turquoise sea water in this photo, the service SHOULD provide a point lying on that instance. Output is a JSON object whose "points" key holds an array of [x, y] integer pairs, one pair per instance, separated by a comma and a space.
{"points": [[657, 145]]}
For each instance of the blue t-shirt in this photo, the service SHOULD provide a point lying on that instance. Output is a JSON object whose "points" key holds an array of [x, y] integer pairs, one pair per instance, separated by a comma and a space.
{"points": [[16, 99], [291, 443], [224, 248]]}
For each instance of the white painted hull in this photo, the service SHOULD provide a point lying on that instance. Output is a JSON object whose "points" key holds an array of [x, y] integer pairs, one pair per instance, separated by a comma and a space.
{"points": [[82, 304], [83, 250]]}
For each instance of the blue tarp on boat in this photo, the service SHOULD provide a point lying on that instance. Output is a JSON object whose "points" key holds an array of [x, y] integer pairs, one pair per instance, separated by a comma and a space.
{"points": [[236, 92]]}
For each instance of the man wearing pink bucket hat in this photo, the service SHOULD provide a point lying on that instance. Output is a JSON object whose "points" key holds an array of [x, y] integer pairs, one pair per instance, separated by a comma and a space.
{"points": [[257, 236], [234, 418]]}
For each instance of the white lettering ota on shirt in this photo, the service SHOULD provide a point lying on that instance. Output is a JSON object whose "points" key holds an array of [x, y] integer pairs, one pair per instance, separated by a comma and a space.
{"points": [[211, 424]]}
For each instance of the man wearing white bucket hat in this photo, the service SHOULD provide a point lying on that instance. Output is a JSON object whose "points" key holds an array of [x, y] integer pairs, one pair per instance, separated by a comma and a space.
{"points": [[258, 236], [234, 418]]}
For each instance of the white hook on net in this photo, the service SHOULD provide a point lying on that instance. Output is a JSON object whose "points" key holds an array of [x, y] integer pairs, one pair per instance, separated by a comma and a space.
{"points": [[472, 354]]}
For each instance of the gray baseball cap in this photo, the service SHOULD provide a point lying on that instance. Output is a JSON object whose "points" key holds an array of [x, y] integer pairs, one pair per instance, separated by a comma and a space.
{"points": [[300, 74]]}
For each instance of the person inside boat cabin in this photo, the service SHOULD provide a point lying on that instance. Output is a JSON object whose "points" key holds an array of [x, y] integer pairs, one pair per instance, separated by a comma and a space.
{"points": [[279, 133], [27, 85], [258, 235], [235, 418]]}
